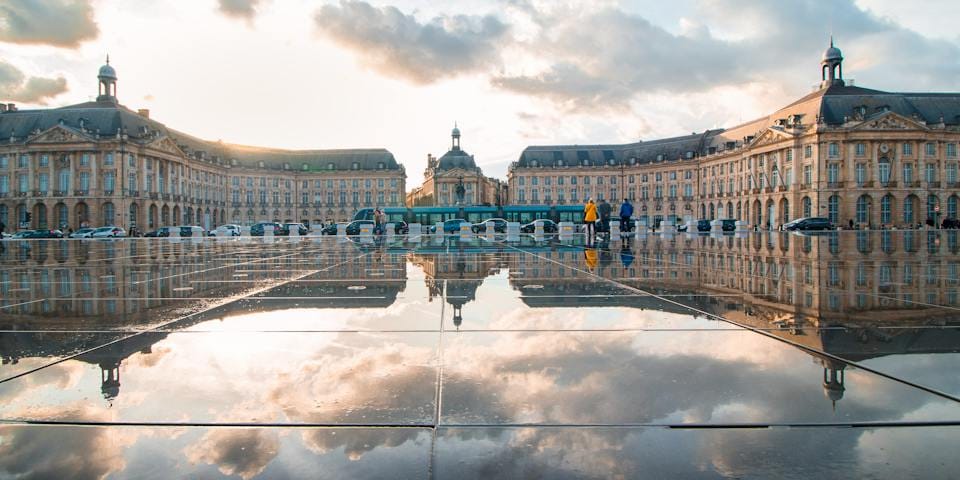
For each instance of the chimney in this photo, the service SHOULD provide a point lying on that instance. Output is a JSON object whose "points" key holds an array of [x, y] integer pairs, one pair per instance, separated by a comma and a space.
{"points": [[11, 107], [144, 112], [3, 107]]}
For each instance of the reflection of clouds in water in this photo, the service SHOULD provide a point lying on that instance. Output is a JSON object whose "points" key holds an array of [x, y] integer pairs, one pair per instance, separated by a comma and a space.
{"points": [[62, 376], [564, 377], [64, 452], [243, 452], [356, 443]]}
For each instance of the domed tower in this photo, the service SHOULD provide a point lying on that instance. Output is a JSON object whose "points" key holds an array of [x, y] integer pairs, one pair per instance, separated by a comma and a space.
{"points": [[107, 91], [833, 387], [831, 67], [455, 137]]}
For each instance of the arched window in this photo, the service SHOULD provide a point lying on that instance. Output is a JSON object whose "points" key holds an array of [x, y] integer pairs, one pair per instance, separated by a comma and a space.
{"points": [[833, 209], [932, 203], [108, 214], [952, 206], [886, 209], [863, 209], [807, 207]]}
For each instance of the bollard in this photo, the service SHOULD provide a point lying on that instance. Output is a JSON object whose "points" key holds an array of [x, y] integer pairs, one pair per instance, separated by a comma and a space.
{"points": [[268, 231], [413, 230], [465, 230], [341, 230], [366, 231], [538, 228], [438, 228], [245, 230], [294, 231], [389, 230], [742, 226]]}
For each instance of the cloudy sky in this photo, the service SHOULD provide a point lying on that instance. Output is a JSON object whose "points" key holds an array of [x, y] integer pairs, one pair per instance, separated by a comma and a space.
{"points": [[398, 73]]}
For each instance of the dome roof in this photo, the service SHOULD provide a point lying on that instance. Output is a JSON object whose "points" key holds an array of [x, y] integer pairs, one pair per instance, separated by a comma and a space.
{"points": [[456, 159], [107, 71], [456, 132], [832, 53]]}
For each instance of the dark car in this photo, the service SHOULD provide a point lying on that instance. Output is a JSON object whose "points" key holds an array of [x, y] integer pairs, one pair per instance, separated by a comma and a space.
{"points": [[703, 225], [353, 228], [728, 225], [451, 226], [548, 226], [278, 230], [300, 228], [401, 228], [809, 223], [499, 225], [160, 232], [42, 233]]}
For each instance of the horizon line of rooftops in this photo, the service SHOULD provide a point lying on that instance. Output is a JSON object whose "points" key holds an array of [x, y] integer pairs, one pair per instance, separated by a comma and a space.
{"points": [[125, 124]]}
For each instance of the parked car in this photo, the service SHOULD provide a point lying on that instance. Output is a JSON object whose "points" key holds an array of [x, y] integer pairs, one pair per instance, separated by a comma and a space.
{"points": [[258, 229], [42, 233], [498, 225], [401, 228], [160, 232], [331, 229], [809, 223], [451, 226], [548, 226], [299, 226], [353, 228], [228, 230], [108, 232], [82, 233], [728, 225], [192, 231], [703, 225]]}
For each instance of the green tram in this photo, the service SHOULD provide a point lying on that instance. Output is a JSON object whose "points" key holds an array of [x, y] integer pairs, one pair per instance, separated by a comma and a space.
{"points": [[476, 214]]}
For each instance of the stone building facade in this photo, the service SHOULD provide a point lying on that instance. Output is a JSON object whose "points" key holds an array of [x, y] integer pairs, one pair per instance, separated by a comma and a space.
{"points": [[856, 155], [443, 175], [100, 163]]}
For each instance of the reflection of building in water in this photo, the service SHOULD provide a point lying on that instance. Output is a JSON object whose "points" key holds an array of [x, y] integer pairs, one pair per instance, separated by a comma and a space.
{"points": [[92, 285], [461, 274], [831, 293]]}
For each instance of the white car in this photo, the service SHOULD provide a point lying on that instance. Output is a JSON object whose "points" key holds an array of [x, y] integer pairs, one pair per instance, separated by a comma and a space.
{"points": [[228, 230], [82, 233], [191, 231], [108, 232]]}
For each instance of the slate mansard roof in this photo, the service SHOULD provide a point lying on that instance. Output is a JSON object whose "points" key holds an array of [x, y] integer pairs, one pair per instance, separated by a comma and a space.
{"points": [[832, 107], [104, 120]]}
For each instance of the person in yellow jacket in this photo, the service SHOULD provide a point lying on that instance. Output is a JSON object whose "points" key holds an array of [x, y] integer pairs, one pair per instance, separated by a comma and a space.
{"points": [[591, 257], [589, 217]]}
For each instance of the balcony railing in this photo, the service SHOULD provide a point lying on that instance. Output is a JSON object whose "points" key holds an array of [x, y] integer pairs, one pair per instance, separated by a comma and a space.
{"points": [[166, 196], [933, 184], [108, 193], [81, 193], [133, 193], [834, 184], [154, 195], [39, 193]]}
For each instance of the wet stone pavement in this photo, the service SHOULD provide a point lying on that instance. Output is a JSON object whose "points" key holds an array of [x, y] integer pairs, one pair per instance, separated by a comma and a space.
{"points": [[684, 356]]}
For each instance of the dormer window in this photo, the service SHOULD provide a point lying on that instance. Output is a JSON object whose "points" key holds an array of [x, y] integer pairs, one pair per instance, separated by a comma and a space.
{"points": [[331, 166], [381, 166], [633, 160], [260, 164], [533, 163], [286, 166], [659, 157], [860, 111], [305, 167], [689, 154], [355, 166]]}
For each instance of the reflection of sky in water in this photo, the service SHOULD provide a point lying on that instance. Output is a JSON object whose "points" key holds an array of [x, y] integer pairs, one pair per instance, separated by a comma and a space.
{"points": [[524, 342]]}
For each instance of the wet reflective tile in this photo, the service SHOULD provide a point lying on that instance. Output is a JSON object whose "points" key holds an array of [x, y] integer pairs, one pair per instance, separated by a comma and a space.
{"points": [[193, 452], [663, 378], [285, 378], [26, 351], [798, 453]]}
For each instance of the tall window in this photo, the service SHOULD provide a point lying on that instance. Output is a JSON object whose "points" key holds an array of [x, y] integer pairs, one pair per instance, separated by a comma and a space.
{"points": [[931, 172], [952, 206], [833, 209], [884, 171], [834, 150], [861, 149], [907, 172], [907, 149], [807, 207], [43, 183], [908, 216], [951, 173], [932, 203], [861, 173], [4, 185], [863, 209], [63, 183], [85, 181], [886, 206], [833, 173], [108, 213], [807, 175], [108, 159], [931, 149]]}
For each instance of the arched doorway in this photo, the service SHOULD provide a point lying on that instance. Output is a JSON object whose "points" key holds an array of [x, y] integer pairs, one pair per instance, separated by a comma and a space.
{"points": [[5, 215], [22, 215], [703, 211], [206, 219], [152, 216], [109, 214], [886, 209], [61, 216], [177, 219], [833, 209], [133, 213], [952, 202], [165, 215], [83, 215], [807, 207], [864, 204], [933, 209], [757, 213], [712, 211], [771, 214], [188, 216], [784, 211], [911, 205], [223, 217], [729, 211], [40, 215], [739, 210]]}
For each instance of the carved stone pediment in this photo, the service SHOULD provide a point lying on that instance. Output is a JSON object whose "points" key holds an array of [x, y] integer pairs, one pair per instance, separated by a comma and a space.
{"points": [[890, 121], [58, 134], [165, 144], [770, 136]]}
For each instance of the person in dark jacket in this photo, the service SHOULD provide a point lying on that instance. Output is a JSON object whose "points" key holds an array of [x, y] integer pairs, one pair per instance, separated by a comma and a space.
{"points": [[604, 210], [626, 211]]}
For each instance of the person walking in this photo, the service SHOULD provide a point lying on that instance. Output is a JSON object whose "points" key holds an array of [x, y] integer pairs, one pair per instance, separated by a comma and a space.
{"points": [[589, 218], [626, 211], [2, 227], [379, 218], [604, 210]]}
